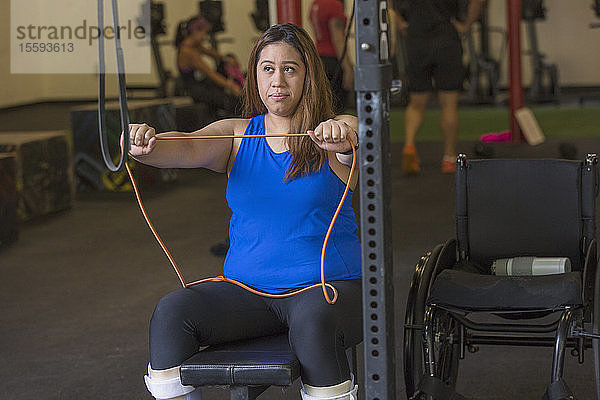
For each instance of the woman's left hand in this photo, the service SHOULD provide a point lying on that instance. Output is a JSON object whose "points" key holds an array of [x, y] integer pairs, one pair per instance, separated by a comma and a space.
{"points": [[332, 135]]}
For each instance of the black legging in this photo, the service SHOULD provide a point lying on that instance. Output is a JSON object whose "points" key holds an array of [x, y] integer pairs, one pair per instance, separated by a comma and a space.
{"points": [[217, 312]]}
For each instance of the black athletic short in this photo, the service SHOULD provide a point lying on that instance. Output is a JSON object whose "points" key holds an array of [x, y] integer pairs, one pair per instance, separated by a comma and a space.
{"points": [[216, 312], [435, 62]]}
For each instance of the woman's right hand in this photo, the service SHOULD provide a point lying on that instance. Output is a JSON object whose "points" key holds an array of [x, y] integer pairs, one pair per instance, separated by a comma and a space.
{"points": [[142, 139]]}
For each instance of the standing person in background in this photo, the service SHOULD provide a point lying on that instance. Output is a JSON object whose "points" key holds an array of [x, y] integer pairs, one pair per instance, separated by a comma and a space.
{"points": [[434, 61], [329, 27]]}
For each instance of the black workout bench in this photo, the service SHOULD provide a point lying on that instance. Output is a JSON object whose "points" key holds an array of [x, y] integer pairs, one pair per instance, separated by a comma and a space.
{"points": [[248, 367]]}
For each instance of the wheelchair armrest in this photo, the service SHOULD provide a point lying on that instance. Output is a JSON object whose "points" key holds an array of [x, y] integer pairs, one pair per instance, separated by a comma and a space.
{"points": [[590, 278]]}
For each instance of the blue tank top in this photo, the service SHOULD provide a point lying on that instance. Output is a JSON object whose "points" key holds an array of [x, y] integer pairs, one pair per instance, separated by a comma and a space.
{"points": [[277, 228]]}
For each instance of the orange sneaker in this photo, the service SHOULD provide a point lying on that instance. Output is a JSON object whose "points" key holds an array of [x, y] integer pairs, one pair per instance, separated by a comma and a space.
{"points": [[448, 165], [410, 160]]}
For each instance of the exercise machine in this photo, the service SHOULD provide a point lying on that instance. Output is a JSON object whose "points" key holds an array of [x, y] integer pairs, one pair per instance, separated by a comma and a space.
{"points": [[156, 10], [544, 86], [483, 69]]}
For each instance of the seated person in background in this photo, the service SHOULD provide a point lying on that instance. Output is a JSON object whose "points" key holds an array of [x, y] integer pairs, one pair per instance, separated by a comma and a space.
{"points": [[203, 83], [230, 67]]}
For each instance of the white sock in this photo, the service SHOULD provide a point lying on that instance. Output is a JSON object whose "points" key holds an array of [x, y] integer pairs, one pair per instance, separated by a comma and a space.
{"points": [[343, 391], [166, 384], [329, 391]]}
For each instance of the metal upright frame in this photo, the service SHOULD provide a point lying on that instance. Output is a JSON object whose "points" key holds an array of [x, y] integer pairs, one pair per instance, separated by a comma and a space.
{"points": [[372, 77], [515, 100]]}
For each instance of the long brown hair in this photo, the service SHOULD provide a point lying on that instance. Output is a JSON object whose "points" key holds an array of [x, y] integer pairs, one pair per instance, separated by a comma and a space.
{"points": [[314, 105]]}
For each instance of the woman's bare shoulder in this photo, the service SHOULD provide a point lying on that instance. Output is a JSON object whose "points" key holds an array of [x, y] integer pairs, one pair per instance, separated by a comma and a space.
{"points": [[226, 127], [240, 125]]}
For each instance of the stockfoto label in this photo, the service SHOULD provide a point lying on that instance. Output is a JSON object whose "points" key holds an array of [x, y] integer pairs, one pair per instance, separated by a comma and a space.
{"points": [[62, 36]]}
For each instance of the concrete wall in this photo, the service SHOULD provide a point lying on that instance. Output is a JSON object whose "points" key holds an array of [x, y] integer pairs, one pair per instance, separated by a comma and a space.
{"points": [[565, 38]]}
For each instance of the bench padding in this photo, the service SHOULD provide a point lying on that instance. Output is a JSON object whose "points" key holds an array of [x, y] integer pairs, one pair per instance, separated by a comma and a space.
{"points": [[263, 361]]}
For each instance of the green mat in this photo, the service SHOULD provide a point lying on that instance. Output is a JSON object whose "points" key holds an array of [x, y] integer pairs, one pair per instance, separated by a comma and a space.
{"points": [[559, 122]]}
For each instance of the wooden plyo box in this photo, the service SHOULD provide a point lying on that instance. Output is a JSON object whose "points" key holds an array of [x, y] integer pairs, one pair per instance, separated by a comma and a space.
{"points": [[90, 172], [44, 174], [9, 228]]}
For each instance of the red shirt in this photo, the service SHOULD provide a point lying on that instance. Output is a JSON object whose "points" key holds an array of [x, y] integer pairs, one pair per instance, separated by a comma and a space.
{"points": [[321, 12]]}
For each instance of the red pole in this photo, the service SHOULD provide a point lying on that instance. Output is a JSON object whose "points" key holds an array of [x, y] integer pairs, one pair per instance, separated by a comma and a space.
{"points": [[514, 60], [289, 11]]}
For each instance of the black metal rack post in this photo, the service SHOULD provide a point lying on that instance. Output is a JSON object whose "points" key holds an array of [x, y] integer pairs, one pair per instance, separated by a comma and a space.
{"points": [[372, 77]]}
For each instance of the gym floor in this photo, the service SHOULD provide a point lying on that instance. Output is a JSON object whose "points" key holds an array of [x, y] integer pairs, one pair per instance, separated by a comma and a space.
{"points": [[78, 287]]}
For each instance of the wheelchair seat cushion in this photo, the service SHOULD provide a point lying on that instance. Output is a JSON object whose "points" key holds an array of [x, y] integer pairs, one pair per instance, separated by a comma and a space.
{"points": [[477, 292]]}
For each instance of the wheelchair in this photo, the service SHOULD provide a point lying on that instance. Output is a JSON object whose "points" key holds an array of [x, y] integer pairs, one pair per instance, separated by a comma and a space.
{"points": [[505, 209]]}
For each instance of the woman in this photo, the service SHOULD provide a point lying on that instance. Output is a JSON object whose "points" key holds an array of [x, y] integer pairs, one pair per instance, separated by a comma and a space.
{"points": [[203, 83], [282, 192]]}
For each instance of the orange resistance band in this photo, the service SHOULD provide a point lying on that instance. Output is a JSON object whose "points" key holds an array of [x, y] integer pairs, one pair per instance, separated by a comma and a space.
{"points": [[324, 285]]}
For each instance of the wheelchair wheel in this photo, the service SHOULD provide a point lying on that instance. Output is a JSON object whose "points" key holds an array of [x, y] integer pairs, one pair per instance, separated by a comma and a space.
{"points": [[447, 347], [413, 320], [443, 336], [596, 329]]}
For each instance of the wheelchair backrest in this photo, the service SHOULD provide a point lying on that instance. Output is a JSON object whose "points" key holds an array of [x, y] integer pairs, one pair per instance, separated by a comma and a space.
{"points": [[515, 207]]}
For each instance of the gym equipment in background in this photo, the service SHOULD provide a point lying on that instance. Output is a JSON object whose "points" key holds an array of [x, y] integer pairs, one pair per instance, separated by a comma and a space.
{"points": [[156, 11], [483, 72], [260, 16], [544, 86], [9, 227]]}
